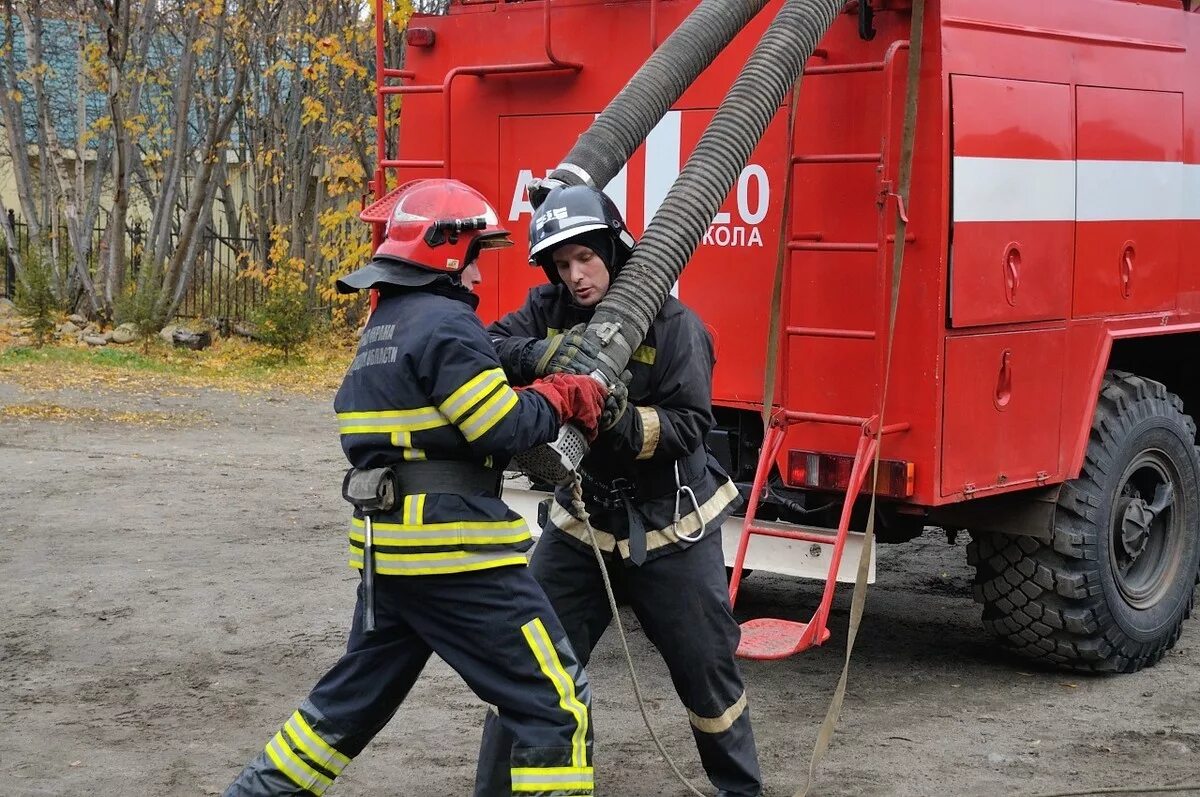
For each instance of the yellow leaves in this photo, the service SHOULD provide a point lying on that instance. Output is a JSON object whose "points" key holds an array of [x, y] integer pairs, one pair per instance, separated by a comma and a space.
{"points": [[347, 64], [279, 244], [315, 71], [16, 95], [327, 46], [401, 13], [282, 65], [343, 167], [136, 125], [311, 110]]}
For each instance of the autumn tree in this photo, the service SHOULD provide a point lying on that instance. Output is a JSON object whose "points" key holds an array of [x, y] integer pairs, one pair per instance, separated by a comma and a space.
{"points": [[52, 130]]}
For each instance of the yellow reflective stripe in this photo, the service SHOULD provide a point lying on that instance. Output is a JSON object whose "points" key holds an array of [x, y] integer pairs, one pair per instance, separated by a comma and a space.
{"points": [[453, 525], [645, 354], [411, 454], [543, 649], [327, 755], [431, 539], [459, 562], [534, 771], [296, 769], [390, 421], [470, 393], [490, 414], [553, 779], [551, 332], [414, 510]]}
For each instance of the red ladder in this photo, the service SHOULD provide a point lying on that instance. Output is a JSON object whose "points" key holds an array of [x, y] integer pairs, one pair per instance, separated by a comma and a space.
{"points": [[770, 638]]}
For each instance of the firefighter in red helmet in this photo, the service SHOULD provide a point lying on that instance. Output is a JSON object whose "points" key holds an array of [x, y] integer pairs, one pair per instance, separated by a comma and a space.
{"points": [[425, 409]]}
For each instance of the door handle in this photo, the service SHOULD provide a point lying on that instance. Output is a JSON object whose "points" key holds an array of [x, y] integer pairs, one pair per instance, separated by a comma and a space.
{"points": [[1004, 381], [1127, 255], [1012, 273]]}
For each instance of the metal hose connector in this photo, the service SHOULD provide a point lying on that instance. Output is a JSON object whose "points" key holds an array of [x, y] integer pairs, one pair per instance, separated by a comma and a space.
{"points": [[624, 315]]}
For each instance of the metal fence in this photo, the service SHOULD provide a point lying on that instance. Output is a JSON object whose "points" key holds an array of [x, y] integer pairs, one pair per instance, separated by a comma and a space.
{"points": [[219, 287]]}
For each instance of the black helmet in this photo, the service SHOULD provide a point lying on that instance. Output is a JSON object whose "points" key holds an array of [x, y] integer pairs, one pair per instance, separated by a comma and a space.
{"points": [[578, 214]]}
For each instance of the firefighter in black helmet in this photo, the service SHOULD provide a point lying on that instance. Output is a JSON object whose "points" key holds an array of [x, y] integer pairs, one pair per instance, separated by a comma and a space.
{"points": [[657, 498], [426, 398]]}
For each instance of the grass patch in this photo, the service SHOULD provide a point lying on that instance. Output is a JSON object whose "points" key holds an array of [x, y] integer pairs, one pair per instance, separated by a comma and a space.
{"points": [[229, 364]]}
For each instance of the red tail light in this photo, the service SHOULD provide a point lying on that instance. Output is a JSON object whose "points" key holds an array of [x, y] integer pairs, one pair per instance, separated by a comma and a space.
{"points": [[419, 37], [832, 472]]}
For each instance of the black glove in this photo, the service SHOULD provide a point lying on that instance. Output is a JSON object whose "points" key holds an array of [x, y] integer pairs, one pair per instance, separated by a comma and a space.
{"points": [[566, 353], [616, 402]]}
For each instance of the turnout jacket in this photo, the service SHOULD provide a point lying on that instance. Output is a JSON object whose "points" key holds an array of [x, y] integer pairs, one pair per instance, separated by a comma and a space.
{"points": [[629, 472], [426, 384]]}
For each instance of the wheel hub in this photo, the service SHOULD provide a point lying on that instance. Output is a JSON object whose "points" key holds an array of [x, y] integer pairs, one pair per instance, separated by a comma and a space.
{"points": [[1135, 527], [1146, 534]]}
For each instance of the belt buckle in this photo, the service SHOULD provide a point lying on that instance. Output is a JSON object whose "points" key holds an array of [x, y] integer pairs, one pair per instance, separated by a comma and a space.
{"points": [[621, 486]]}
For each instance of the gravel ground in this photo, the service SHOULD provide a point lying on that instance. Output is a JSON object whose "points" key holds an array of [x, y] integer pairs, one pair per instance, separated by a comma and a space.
{"points": [[175, 582]]}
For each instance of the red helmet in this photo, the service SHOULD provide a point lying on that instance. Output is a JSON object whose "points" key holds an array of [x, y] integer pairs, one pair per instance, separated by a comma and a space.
{"points": [[437, 224]]}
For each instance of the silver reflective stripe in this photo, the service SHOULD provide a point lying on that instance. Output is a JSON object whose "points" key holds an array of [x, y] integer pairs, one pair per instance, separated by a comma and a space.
{"points": [[385, 421], [425, 564], [470, 393], [547, 656], [295, 768], [689, 524], [315, 747], [722, 723], [450, 534], [489, 414], [571, 778], [651, 431]]}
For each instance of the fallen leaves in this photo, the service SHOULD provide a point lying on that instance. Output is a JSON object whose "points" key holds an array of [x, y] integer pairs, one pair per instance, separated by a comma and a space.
{"points": [[41, 411]]}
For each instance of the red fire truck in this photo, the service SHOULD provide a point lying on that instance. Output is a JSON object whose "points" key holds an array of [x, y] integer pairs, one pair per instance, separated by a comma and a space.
{"points": [[1047, 335]]}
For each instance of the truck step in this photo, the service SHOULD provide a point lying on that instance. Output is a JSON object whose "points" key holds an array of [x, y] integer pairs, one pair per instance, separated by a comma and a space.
{"points": [[767, 638]]}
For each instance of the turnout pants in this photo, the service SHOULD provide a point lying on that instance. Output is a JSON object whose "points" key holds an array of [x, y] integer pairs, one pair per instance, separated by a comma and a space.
{"points": [[682, 602], [497, 630]]}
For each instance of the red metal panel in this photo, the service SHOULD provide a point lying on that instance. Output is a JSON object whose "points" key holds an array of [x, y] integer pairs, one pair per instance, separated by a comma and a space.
{"points": [[530, 146], [1128, 243], [1003, 407], [1008, 265]]}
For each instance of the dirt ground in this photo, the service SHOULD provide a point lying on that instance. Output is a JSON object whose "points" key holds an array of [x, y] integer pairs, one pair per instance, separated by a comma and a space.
{"points": [[174, 582]]}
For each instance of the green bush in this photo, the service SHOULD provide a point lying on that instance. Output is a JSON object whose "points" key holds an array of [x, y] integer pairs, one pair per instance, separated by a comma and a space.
{"points": [[284, 320], [136, 306], [35, 297]]}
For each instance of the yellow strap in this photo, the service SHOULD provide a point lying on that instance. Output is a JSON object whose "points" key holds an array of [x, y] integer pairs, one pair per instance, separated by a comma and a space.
{"points": [[859, 598]]}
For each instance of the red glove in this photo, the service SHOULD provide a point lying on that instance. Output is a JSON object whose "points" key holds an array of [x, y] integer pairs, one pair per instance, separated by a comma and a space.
{"points": [[576, 398]]}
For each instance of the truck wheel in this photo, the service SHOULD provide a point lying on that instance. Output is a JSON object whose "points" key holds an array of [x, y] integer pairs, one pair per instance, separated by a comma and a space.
{"points": [[1111, 591]]}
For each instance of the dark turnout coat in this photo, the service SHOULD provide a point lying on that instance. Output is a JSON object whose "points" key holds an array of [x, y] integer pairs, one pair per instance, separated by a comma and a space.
{"points": [[630, 470]]}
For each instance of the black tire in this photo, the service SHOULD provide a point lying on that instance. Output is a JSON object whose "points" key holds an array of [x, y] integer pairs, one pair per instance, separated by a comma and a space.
{"points": [[1111, 591]]}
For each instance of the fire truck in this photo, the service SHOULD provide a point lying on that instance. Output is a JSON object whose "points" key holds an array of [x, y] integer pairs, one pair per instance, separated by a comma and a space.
{"points": [[1044, 355]]}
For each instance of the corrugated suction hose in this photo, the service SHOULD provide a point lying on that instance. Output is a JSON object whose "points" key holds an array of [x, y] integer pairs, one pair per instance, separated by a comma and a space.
{"points": [[605, 147], [626, 312]]}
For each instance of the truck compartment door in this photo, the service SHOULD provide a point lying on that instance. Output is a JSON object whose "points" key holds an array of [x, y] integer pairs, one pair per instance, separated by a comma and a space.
{"points": [[1013, 201], [1003, 406], [1130, 201]]}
